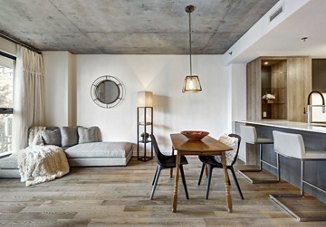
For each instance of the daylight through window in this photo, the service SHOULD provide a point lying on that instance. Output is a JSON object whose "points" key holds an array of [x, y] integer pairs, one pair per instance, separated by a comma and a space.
{"points": [[6, 102]]}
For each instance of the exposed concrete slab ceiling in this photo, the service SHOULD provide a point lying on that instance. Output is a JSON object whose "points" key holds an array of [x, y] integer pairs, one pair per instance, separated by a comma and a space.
{"points": [[129, 26]]}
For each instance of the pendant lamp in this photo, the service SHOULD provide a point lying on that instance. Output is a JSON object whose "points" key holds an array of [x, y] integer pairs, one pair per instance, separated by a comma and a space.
{"points": [[191, 82]]}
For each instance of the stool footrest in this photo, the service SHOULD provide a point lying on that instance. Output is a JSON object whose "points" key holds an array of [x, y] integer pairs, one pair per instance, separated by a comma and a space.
{"points": [[302, 208], [262, 177], [269, 164], [314, 186]]}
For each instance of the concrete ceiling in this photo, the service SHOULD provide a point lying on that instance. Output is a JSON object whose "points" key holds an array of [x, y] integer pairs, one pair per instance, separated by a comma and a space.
{"points": [[129, 27]]}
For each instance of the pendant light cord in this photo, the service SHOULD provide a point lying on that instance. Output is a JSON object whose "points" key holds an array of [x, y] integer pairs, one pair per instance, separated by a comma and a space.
{"points": [[190, 43]]}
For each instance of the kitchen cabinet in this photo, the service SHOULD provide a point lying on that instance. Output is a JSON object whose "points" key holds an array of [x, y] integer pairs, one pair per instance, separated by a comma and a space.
{"points": [[319, 75], [287, 78]]}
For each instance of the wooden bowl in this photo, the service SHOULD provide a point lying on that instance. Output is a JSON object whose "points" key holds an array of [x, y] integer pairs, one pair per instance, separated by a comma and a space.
{"points": [[194, 135]]}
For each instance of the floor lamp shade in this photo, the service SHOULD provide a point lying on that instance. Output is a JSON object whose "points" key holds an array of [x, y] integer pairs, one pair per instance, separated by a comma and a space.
{"points": [[145, 99], [191, 84]]}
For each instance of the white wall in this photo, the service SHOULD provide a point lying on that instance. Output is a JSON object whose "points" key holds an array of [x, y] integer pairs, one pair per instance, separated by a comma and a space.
{"points": [[237, 89], [59, 96], [163, 74], [72, 90], [7, 46]]}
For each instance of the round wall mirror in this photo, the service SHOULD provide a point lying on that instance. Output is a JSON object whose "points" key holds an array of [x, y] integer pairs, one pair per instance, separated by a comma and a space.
{"points": [[107, 91]]}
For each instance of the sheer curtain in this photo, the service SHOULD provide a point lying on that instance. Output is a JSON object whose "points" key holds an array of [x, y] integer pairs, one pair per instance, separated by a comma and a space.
{"points": [[28, 95]]}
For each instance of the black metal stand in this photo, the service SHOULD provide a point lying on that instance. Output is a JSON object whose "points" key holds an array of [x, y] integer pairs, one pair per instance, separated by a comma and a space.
{"points": [[146, 129]]}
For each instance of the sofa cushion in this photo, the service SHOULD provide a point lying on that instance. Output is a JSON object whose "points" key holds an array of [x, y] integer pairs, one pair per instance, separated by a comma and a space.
{"points": [[231, 142], [88, 135], [99, 150], [69, 136], [35, 135], [52, 137]]}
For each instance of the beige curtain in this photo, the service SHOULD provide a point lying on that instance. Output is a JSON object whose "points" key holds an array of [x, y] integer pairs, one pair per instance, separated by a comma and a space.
{"points": [[28, 95]]}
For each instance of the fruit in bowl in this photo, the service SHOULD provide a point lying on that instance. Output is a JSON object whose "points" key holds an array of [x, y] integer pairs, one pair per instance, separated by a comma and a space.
{"points": [[194, 135]]}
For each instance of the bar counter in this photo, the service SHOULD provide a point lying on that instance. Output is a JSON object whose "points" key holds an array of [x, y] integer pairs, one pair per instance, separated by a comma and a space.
{"points": [[314, 136], [301, 126]]}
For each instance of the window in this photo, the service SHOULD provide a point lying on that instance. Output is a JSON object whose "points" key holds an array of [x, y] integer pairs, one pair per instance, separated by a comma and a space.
{"points": [[7, 63]]}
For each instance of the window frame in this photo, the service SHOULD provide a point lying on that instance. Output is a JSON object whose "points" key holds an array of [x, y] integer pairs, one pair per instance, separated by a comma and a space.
{"points": [[6, 110], [12, 57]]}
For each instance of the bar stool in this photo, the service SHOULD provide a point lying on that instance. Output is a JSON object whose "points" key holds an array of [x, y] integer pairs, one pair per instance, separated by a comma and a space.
{"points": [[249, 135], [292, 146]]}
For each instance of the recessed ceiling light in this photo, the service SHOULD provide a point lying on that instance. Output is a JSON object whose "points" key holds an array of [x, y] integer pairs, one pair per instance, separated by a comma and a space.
{"points": [[266, 63]]}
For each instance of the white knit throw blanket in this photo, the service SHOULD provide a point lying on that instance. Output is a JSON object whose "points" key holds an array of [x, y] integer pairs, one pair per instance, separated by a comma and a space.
{"points": [[39, 164]]}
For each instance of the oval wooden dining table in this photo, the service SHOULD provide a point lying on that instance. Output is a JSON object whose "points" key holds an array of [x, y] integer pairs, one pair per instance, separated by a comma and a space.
{"points": [[207, 146]]}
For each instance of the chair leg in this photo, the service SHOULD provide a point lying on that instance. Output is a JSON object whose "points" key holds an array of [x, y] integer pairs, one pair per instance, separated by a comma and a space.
{"points": [[261, 158], [301, 180], [278, 167], [209, 178], [158, 172], [236, 182], [184, 181], [201, 173], [154, 176]]}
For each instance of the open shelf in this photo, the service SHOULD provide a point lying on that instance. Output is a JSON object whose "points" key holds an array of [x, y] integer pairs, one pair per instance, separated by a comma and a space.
{"points": [[144, 127]]}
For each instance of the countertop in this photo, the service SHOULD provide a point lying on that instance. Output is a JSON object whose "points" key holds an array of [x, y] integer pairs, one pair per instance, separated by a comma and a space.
{"points": [[302, 126]]}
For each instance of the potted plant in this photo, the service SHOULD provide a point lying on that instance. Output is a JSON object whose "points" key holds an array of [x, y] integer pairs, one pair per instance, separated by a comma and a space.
{"points": [[269, 98]]}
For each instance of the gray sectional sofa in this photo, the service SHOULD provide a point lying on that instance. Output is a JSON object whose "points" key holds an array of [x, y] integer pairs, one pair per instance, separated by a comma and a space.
{"points": [[8, 165], [82, 146]]}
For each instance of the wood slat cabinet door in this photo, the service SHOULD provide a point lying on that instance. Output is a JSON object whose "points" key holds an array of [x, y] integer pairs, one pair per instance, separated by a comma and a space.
{"points": [[299, 84], [253, 80]]}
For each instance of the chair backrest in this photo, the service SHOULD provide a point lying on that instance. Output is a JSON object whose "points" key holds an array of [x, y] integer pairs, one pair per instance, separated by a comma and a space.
{"points": [[248, 134], [159, 157], [288, 144], [237, 151]]}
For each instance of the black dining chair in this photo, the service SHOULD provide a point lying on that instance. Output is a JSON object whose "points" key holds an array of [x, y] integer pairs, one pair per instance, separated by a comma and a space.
{"points": [[213, 162], [166, 162]]}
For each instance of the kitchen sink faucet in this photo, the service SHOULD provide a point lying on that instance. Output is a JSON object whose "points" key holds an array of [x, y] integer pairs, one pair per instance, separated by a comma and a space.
{"points": [[309, 107]]}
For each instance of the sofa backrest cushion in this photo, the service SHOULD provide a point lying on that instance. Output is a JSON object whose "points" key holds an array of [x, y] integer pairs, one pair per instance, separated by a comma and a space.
{"points": [[69, 136], [52, 136], [88, 135]]}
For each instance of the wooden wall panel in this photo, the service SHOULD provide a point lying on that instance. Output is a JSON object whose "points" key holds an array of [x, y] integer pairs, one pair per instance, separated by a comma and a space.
{"points": [[299, 84], [319, 75], [254, 90]]}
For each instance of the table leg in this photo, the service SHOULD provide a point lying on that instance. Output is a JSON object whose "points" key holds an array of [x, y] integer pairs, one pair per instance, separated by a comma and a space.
{"points": [[176, 183], [171, 170], [226, 182]]}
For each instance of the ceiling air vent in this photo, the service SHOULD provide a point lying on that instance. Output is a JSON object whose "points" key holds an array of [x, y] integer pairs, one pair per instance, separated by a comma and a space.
{"points": [[276, 13]]}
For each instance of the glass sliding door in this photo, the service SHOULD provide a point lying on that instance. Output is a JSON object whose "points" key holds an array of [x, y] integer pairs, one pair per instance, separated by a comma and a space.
{"points": [[7, 63]]}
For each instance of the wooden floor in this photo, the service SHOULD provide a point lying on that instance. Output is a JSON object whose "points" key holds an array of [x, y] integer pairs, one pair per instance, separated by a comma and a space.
{"points": [[119, 196]]}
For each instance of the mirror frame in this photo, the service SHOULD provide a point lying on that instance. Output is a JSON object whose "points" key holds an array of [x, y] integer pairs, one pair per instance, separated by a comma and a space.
{"points": [[100, 102]]}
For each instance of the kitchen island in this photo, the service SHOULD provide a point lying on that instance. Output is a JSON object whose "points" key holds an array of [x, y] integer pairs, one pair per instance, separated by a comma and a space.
{"points": [[314, 136]]}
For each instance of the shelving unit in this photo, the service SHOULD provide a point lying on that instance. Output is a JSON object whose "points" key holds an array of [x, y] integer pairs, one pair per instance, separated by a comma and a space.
{"points": [[144, 130]]}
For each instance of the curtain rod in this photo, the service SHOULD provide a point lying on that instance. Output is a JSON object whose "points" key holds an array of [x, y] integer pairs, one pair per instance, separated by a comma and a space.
{"points": [[20, 43]]}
